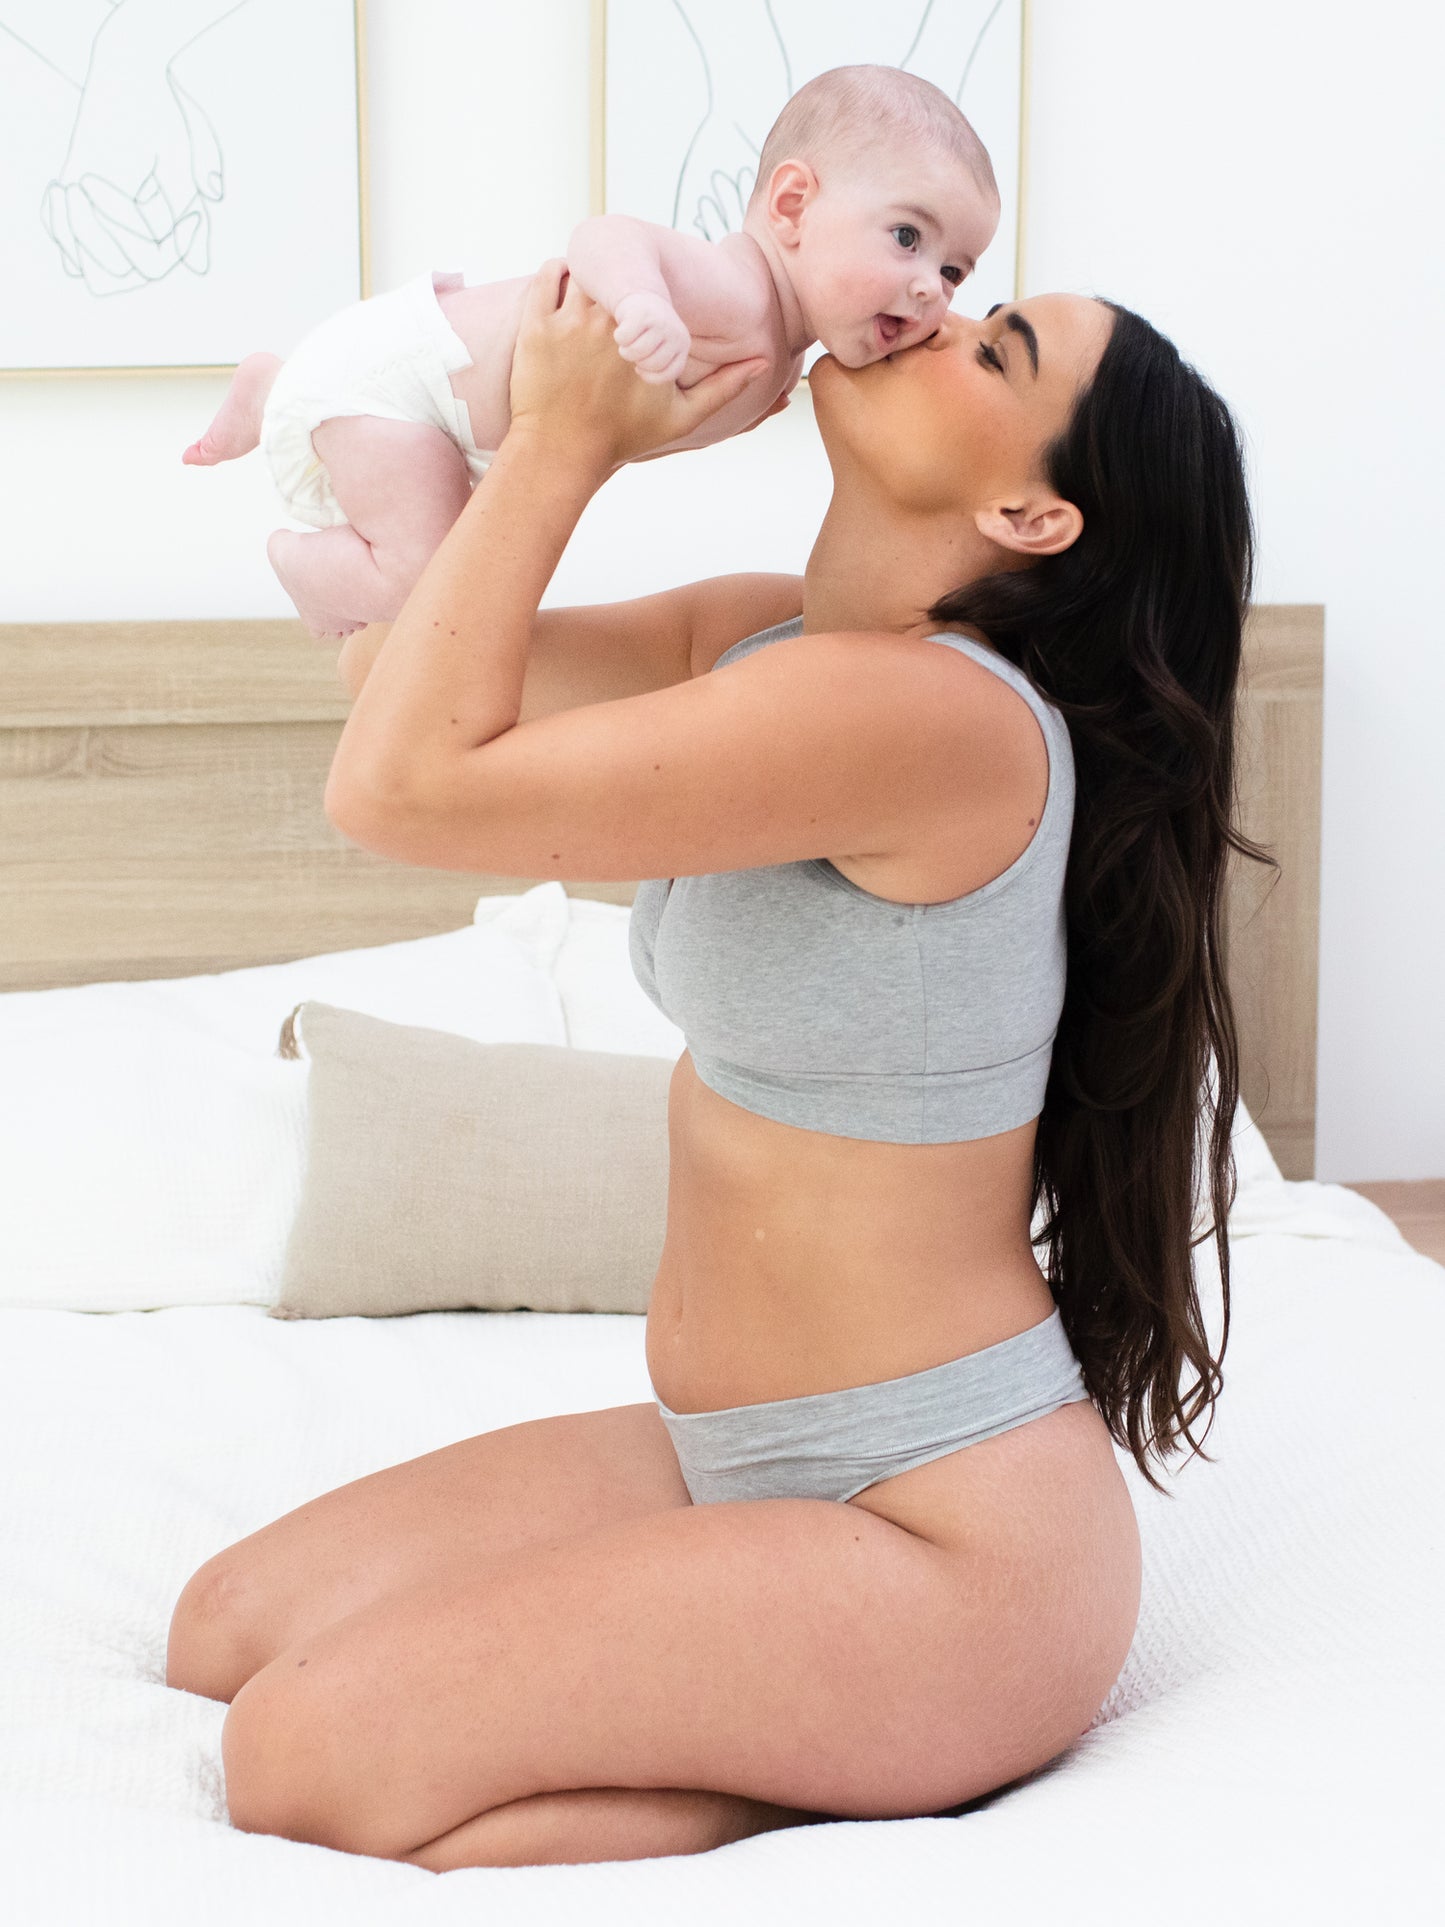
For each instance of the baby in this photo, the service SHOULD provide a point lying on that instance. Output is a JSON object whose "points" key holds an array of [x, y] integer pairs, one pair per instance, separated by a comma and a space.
{"points": [[874, 199]]}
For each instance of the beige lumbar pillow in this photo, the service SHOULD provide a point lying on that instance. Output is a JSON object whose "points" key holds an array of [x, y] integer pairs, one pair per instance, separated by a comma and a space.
{"points": [[444, 1174]]}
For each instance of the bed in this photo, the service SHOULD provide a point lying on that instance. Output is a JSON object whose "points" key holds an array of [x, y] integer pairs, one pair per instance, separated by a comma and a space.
{"points": [[169, 890]]}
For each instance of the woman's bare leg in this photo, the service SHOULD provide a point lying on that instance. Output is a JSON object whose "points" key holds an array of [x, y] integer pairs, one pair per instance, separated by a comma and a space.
{"points": [[519, 1485], [604, 1823]]}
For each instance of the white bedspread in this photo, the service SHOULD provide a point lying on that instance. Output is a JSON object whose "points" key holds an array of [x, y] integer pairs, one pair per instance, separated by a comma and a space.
{"points": [[1272, 1749]]}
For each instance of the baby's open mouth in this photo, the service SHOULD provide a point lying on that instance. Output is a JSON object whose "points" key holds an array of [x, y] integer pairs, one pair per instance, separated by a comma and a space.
{"points": [[888, 328]]}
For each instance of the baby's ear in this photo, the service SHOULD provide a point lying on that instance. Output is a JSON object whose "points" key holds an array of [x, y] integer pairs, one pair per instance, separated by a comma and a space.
{"points": [[792, 186]]}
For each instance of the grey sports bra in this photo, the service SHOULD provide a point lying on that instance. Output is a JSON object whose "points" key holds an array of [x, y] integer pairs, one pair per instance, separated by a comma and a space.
{"points": [[810, 1000]]}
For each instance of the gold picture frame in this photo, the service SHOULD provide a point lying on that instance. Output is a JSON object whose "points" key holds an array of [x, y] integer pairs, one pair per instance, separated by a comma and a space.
{"points": [[597, 198], [363, 175]]}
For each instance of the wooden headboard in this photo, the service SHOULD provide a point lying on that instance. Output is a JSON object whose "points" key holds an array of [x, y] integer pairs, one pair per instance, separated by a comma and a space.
{"points": [[160, 816]]}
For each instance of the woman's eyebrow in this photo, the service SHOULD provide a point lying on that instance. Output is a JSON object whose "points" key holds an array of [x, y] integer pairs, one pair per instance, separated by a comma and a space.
{"points": [[1016, 321]]}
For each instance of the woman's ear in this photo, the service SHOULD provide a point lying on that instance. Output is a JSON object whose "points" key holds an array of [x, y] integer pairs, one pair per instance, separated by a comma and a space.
{"points": [[1038, 525], [792, 186]]}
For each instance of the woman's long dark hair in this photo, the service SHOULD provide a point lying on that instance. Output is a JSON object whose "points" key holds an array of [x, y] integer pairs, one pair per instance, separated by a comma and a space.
{"points": [[1134, 633]]}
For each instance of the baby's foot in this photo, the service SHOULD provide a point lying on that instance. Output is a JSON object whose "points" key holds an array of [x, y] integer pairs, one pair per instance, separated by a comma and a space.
{"points": [[237, 427], [287, 552], [325, 627]]}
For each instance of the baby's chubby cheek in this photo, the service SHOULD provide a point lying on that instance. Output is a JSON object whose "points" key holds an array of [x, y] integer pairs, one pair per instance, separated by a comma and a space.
{"points": [[851, 338], [839, 310]]}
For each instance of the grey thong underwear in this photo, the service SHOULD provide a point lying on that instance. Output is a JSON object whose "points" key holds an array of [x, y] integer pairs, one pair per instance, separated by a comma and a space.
{"points": [[832, 1445]]}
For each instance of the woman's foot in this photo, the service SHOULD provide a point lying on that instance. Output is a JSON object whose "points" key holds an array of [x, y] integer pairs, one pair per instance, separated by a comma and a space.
{"points": [[237, 427]]}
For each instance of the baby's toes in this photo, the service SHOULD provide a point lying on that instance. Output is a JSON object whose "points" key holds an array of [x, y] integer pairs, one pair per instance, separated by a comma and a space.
{"points": [[328, 628]]}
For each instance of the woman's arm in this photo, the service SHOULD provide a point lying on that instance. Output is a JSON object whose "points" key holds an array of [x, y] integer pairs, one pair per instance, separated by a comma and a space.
{"points": [[604, 652], [447, 677]]}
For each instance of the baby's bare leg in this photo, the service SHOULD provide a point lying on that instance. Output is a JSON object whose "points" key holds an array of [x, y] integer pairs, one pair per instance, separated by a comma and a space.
{"points": [[237, 427], [400, 485]]}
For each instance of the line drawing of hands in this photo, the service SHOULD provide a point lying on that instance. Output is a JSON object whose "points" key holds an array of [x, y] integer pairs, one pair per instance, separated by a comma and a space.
{"points": [[722, 202], [717, 173], [750, 48], [132, 200]]}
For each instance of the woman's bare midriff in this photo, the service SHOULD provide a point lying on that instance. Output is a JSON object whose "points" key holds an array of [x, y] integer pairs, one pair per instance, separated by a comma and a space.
{"points": [[799, 1262]]}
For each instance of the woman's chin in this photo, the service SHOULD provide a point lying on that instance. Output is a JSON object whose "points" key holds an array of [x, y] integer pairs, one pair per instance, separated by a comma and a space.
{"points": [[850, 364], [828, 369]]}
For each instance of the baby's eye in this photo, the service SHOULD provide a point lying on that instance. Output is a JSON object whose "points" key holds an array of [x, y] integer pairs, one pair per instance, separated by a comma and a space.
{"points": [[952, 275], [907, 236]]}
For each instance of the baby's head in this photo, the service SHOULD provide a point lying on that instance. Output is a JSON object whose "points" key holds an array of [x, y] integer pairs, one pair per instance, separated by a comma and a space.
{"points": [[878, 198]]}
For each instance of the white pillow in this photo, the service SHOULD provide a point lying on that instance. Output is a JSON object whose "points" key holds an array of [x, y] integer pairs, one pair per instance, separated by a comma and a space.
{"points": [[1253, 1159], [152, 1145], [583, 944], [433, 981]]}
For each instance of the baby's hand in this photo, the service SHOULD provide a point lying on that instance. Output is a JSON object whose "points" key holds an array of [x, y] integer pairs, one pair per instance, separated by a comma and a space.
{"points": [[650, 334]]}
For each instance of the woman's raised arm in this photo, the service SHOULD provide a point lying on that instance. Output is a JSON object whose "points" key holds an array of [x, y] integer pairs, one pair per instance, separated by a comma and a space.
{"points": [[449, 675], [601, 652]]}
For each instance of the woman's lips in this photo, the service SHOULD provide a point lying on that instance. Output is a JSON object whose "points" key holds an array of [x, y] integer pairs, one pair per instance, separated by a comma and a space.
{"points": [[887, 328]]}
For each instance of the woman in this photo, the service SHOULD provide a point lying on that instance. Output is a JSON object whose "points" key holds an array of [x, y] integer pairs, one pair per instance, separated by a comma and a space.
{"points": [[869, 1553]]}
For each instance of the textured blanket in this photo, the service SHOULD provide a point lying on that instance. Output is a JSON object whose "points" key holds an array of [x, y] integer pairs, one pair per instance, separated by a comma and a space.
{"points": [[1271, 1750]]}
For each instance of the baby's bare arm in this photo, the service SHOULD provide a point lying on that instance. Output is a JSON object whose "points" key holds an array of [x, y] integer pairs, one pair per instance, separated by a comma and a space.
{"points": [[614, 255], [617, 261], [668, 292]]}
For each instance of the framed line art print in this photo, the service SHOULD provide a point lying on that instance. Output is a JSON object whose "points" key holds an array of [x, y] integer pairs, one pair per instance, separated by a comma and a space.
{"points": [[684, 92], [180, 180]]}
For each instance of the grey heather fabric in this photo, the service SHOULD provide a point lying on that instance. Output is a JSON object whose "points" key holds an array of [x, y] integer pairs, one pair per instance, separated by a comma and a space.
{"points": [[444, 1174], [830, 1445], [815, 1002]]}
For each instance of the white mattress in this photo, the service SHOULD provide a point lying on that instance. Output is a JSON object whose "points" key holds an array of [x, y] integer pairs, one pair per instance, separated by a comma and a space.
{"points": [[1271, 1750]]}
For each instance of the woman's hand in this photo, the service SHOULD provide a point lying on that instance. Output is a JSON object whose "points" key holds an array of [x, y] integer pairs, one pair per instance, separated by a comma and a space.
{"points": [[570, 385]]}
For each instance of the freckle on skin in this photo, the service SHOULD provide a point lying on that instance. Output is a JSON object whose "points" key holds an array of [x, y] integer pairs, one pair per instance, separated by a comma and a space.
{"points": [[301, 1662]]}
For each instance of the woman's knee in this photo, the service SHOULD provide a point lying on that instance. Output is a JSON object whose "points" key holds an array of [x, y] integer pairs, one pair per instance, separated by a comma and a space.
{"points": [[212, 1648]]}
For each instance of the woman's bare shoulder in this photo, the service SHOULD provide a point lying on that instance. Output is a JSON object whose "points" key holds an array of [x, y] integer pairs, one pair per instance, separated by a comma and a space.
{"points": [[728, 608]]}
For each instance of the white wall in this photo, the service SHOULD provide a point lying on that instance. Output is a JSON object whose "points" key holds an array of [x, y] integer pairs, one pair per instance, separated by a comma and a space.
{"points": [[1259, 177], [1262, 178]]}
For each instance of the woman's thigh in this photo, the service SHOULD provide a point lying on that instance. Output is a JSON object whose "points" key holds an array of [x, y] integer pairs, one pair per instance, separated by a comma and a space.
{"points": [[495, 1494]]}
